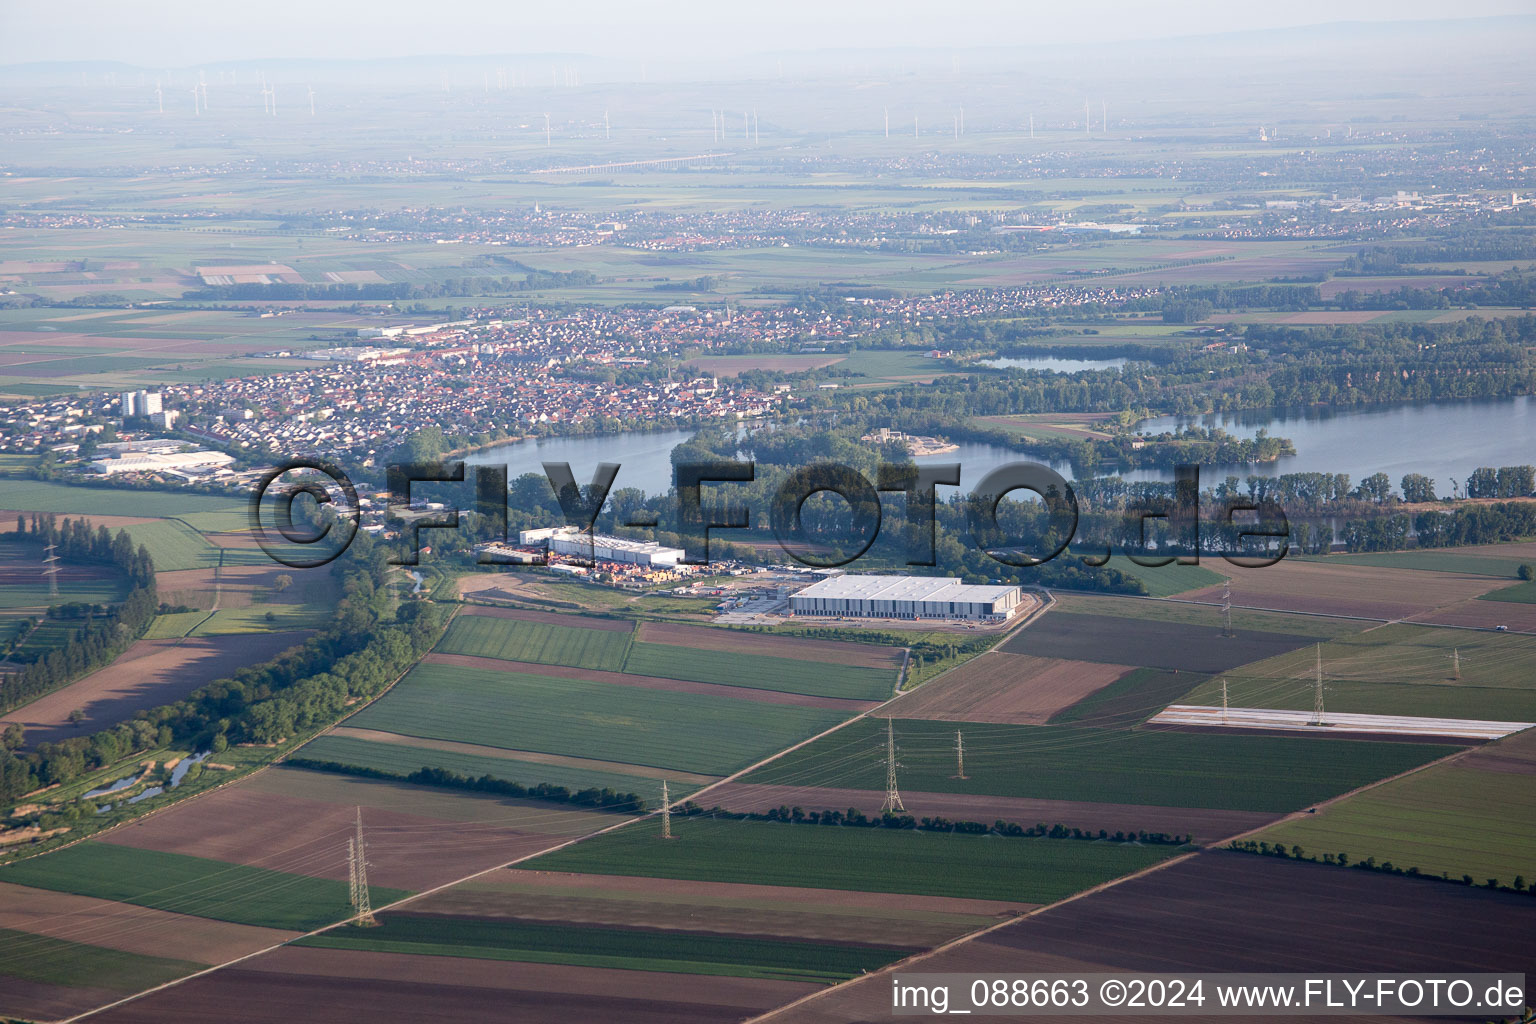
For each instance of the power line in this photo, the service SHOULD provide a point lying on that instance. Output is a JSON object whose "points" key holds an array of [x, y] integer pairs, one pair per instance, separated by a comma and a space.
{"points": [[357, 859]]}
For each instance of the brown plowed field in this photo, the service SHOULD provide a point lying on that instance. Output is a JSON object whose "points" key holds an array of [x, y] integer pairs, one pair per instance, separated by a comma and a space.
{"points": [[238, 585], [37, 1000], [1016, 689], [554, 618], [831, 652], [123, 926], [1484, 615], [1240, 913], [723, 907], [150, 673], [651, 682], [302, 984], [1369, 591], [1116, 640], [1206, 825], [289, 819]]}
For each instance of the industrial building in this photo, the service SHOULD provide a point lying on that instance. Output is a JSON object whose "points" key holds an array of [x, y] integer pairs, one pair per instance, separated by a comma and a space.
{"points": [[906, 597], [567, 540]]}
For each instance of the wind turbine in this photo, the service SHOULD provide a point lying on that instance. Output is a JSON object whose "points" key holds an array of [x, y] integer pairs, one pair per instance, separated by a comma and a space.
{"points": [[159, 97], [311, 100], [606, 134], [546, 131], [196, 101]]}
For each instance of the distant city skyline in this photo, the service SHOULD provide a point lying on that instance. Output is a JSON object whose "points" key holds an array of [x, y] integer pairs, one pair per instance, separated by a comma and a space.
{"points": [[177, 33]]}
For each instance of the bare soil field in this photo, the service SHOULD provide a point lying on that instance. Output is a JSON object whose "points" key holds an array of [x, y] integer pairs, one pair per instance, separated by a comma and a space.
{"points": [[1205, 824], [1016, 689], [1483, 614], [717, 907], [293, 984], [553, 618], [37, 1000], [831, 652], [1369, 591], [148, 674], [1167, 645], [478, 750], [237, 586], [289, 819], [1235, 912], [651, 682], [1340, 285], [130, 928]]}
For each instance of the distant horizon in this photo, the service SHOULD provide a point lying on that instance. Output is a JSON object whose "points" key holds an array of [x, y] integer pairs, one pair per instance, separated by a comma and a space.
{"points": [[180, 36]]}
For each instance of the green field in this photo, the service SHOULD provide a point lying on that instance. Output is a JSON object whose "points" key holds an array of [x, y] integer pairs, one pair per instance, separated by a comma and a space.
{"points": [[623, 948], [1177, 769], [191, 885], [1520, 593], [201, 511], [403, 759], [1472, 816], [1398, 669], [1320, 626], [174, 545], [1166, 580], [544, 643], [658, 728], [1430, 560], [862, 859], [760, 671], [1128, 701], [39, 958]]}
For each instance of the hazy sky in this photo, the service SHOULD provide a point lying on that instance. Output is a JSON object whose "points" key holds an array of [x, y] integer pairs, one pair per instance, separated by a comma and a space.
{"points": [[187, 32]]}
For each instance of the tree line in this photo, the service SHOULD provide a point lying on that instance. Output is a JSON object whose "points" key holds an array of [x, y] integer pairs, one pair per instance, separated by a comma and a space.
{"points": [[104, 631]]}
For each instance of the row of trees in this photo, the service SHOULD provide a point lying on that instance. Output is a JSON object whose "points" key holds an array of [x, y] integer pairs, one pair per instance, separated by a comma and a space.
{"points": [[1264, 849], [534, 280], [104, 631]]}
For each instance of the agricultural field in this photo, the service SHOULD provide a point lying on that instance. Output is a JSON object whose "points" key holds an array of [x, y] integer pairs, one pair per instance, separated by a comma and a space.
{"points": [[1453, 560], [799, 648], [190, 885], [758, 671], [516, 711], [861, 859], [36, 973], [1115, 640], [403, 754], [1013, 689], [1367, 591], [1399, 669], [1474, 815], [537, 642], [1239, 913], [1520, 593], [1257, 773], [1128, 701], [148, 674], [587, 945], [202, 512], [1316, 627], [393, 988], [1167, 580]]}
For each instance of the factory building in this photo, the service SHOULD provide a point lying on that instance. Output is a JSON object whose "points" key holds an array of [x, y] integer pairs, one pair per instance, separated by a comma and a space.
{"points": [[567, 540], [906, 597]]}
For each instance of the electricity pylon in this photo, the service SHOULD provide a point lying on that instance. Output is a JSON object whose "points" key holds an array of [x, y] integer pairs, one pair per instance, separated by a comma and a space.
{"points": [[1226, 610], [892, 795], [959, 755], [1223, 702], [357, 865], [666, 812], [51, 570], [1317, 699]]}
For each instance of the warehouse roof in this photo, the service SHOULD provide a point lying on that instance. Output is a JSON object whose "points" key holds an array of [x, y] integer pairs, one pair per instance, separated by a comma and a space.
{"points": [[903, 588]]}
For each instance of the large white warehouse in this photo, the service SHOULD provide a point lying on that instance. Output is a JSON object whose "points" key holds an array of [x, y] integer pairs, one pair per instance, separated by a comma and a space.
{"points": [[567, 540], [906, 597]]}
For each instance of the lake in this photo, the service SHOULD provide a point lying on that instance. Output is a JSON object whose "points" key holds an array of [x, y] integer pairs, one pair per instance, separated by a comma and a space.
{"points": [[1442, 440]]}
